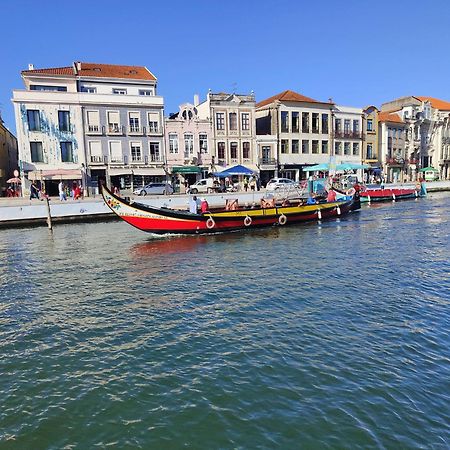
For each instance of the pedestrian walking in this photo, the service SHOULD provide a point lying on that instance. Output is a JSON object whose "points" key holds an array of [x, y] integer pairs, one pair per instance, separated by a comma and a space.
{"points": [[34, 191], [61, 190]]}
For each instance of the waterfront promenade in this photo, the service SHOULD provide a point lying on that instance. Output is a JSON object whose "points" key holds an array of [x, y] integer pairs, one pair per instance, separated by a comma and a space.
{"points": [[22, 211]]}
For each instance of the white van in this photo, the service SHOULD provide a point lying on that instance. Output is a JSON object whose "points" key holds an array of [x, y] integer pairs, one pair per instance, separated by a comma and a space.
{"points": [[203, 186]]}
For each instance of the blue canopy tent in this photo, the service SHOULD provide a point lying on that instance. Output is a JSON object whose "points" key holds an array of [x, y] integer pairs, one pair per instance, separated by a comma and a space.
{"points": [[235, 170]]}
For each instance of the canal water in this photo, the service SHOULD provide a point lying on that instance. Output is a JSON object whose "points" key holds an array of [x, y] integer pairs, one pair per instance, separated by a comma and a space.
{"points": [[332, 335]]}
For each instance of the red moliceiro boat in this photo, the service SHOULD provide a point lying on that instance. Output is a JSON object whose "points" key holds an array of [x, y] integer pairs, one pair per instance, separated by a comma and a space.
{"points": [[166, 220], [386, 194]]}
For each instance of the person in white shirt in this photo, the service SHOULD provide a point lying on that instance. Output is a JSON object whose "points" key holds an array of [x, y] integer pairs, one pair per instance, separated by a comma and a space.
{"points": [[62, 194], [193, 205]]}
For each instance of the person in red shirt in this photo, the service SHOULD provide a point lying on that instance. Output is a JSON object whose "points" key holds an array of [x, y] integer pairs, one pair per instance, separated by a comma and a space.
{"points": [[331, 196], [204, 207], [77, 192]]}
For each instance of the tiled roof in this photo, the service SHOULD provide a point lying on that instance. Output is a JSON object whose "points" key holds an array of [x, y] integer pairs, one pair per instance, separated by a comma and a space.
{"points": [[113, 71], [436, 103], [98, 71], [287, 96], [389, 117], [52, 71]]}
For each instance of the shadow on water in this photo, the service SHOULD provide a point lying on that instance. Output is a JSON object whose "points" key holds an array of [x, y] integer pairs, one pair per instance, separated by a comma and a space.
{"points": [[188, 243], [169, 244]]}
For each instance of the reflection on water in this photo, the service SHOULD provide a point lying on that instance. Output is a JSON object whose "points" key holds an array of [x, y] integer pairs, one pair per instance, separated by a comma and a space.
{"points": [[332, 335]]}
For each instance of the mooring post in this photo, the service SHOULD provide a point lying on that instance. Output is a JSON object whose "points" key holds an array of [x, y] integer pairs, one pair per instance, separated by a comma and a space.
{"points": [[49, 215]]}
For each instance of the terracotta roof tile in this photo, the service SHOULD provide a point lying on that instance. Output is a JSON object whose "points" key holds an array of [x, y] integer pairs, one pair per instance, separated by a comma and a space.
{"points": [[389, 117], [114, 71], [287, 96], [98, 71], [52, 71], [436, 103]]}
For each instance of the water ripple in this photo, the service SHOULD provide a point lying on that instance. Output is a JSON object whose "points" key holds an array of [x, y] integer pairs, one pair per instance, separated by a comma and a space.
{"points": [[318, 336]]}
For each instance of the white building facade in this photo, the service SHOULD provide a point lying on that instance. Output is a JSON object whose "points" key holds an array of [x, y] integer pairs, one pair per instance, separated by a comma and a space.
{"points": [[90, 124], [427, 133], [347, 135]]}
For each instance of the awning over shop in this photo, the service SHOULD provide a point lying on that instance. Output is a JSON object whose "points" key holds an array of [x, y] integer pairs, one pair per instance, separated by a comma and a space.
{"points": [[119, 171], [428, 169], [186, 169], [57, 174]]}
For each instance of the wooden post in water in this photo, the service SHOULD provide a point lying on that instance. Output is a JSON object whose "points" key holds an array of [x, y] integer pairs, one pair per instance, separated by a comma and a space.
{"points": [[49, 215]]}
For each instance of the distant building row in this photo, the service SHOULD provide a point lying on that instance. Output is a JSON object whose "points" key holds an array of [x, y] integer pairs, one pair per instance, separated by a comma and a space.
{"points": [[105, 123]]}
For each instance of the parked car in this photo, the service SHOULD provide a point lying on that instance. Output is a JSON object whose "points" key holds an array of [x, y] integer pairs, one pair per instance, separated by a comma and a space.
{"points": [[203, 186], [277, 183], [154, 188]]}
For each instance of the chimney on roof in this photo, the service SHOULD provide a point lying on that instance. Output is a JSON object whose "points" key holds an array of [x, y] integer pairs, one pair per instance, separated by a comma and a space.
{"points": [[30, 66], [196, 100], [76, 67]]}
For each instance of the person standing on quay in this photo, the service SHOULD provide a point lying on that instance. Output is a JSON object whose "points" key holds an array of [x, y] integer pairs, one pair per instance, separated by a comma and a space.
{"points": [[62, 194], [34, 191]]}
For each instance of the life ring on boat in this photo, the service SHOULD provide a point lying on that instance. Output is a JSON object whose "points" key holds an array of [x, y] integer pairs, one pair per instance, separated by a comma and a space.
{"points": [[282, 219], [247, 221], [351, 191], [210, 223]]}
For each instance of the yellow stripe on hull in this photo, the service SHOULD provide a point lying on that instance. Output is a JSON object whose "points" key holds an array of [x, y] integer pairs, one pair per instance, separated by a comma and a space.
{"points": [[287, 210]]}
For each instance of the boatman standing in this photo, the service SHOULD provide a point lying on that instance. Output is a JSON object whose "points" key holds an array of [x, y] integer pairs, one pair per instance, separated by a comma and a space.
{"points": [[193, 204]]}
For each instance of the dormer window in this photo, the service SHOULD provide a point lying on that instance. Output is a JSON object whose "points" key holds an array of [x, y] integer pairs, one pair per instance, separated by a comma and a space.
{"points": [[187, 114]]}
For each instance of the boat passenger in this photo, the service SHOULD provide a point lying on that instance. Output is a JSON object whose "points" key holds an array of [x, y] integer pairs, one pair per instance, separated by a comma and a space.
{"points": [[267, 203], [311, 201], [204, 206], [231, 204], [331, 196]]}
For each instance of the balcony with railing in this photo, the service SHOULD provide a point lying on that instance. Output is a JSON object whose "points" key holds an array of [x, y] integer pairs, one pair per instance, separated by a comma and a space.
{"points": [[99, 159], [95, 129], [413, 161], [114, 128], [154, 128], [156, 158], [136, 130], [267, 161], [118, 159], [137, 159]]}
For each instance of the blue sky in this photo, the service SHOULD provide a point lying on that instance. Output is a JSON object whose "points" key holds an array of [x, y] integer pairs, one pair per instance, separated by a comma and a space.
{"points": [[357, 52]]}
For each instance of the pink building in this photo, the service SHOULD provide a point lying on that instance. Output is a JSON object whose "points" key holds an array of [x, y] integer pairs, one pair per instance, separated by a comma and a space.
{"points": [[187, 142]]}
